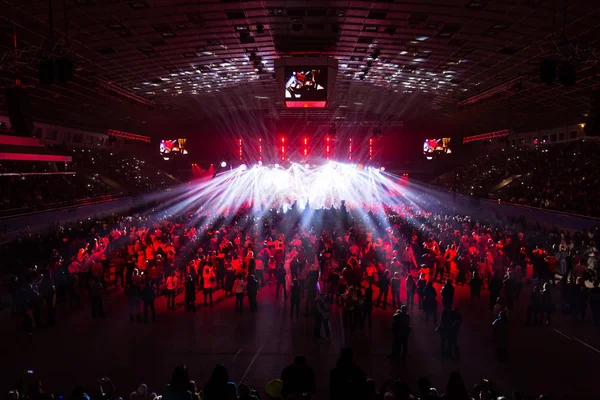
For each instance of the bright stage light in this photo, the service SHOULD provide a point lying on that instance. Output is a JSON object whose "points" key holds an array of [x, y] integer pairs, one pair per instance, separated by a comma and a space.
{"points": [[260, 163], [382, 169], [223, 164], [306, 165], [243, 167], [321, 186]]}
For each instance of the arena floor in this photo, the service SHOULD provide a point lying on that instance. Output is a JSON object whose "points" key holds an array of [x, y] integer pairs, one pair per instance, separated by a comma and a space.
{"points": [[255, 347]]}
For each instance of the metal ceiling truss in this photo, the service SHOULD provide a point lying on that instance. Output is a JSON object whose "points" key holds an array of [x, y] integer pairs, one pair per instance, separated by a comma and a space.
{"points": [[398, 59]]}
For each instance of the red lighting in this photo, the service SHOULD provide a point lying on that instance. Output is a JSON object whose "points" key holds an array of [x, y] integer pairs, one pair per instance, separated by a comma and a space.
{"points": [[241, 150], [350, 150], [305, 148], [327, 147], [282, 148], [306, 104], [260, 149], [370, 148]]}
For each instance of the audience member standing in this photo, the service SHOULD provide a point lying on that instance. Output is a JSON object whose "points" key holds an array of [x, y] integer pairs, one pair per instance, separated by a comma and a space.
{"points": [[239, 287], [171, 290], [209, 283], [148, 296], [384, 287], [252, 288], [347, 381], [430, 302], [190, 294], [411, 287], [396, 291], [134, 297], [312, 279], [295, 298], [178, 388], [475, 284], [299, 380], [448, 294], [421, 285], [548, 306], [535, 306], [280, 276], [400, 330], [219, 387], [322, 309]]}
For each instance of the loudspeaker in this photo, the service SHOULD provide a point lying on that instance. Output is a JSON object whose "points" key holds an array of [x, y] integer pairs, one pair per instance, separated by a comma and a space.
{"points": [[567, 74], [19, 111], [64, 70], [548, 71], [592, 125], [46, 72]]}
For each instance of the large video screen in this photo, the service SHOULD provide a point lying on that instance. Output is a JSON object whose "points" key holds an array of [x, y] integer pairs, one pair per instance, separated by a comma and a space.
{"points": [[172, 148], [305, 86], [436, 146]]}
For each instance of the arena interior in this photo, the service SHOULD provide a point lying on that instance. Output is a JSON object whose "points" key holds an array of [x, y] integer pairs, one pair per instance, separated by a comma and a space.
{"points": [[345, 200]]}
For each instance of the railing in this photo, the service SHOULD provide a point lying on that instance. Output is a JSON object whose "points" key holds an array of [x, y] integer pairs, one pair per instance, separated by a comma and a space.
{"points": [[30, 210]]}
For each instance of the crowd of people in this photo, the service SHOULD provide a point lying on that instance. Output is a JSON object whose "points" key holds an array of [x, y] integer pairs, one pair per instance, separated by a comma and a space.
{"points": [[347, 381], [558, 177], [91, 175], [347, 259]]}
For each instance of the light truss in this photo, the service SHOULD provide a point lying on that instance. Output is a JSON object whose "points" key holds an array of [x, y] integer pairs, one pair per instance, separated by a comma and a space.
{"points": [[126, 135], [487, 136]]}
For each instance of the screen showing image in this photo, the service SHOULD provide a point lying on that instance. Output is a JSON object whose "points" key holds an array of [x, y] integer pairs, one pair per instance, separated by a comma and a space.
{"points": [[306, 84], [437, 146], [172, 147]]}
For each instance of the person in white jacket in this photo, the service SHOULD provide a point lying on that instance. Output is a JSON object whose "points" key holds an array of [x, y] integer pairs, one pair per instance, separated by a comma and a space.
{"points": [[239, 287], [210, 282]]}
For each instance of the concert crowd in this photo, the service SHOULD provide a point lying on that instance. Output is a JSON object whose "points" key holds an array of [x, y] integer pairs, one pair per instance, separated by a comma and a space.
{"points": [[558, 177], [348, 259]]}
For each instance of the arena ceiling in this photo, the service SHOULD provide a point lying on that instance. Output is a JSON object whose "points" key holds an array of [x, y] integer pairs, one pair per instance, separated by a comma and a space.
{"points": [[399, 61]]}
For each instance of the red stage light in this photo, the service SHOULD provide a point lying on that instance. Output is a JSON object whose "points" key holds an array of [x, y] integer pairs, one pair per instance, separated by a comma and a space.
{"points": [[260, 149], [350, 150]]}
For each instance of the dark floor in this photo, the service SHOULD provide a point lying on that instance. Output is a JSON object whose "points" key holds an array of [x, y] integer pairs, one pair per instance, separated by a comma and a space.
{"points": [[561, 360]]}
